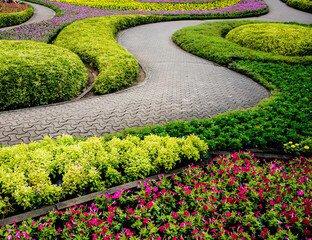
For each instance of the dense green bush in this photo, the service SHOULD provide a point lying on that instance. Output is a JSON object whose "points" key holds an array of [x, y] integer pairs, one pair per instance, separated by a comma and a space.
{"points": [[15, 18], [283, 39], [33, 73], [304, 5], [282, 118], [47, 171]]}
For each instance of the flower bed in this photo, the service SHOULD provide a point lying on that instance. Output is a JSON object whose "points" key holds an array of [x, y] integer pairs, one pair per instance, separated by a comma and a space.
{"points": [[67, 13], [14, 14], [45, 172], [232, 197]]}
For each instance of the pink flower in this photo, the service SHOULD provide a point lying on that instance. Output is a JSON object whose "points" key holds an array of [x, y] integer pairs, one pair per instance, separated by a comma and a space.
{"points": [[175, 215], [145, 221], [150, 204], [94, 222], [128, 232], [117, 194], [300, 193], [228, 214]]}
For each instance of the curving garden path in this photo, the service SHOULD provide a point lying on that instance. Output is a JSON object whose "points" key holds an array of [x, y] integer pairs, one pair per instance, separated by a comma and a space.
{"points": [[178, 85], [41, 13]]}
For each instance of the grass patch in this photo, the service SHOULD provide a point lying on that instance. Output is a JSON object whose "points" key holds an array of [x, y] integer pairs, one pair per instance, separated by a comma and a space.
{"points": [[33, 73], [14, 14], [282, 39]]}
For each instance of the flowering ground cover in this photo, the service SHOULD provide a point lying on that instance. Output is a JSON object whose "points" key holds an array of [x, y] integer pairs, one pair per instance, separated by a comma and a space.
{"points": [[14, 13], [231, 197], [45, 172]]}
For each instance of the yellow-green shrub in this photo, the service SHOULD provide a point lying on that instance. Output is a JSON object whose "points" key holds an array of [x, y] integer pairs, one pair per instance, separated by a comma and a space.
{"points": [[44, 172], [277, 38]]}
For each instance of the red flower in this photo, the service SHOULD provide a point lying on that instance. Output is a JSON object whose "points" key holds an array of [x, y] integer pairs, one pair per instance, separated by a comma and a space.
{"points": [[175, 215], [264, 233], [228, 214], [150, 204]]}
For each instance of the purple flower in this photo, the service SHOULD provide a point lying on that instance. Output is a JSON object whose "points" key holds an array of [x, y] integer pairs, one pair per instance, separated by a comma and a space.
{"points": [[300, 193]]}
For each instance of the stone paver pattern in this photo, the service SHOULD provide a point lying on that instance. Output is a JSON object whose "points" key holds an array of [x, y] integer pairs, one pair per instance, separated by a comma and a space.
{"points": [[178, 85]]}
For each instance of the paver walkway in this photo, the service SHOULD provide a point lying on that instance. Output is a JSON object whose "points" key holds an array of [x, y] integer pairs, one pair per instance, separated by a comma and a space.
{"points": [[178, 86], [41, 13]]}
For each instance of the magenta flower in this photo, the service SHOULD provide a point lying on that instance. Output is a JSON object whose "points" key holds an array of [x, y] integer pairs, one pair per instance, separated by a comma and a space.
{"points": [[300, 193]]}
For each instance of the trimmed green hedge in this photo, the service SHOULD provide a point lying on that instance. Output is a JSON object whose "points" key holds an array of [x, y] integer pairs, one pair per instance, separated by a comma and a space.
{"points": [[304, 5], [33, 73], [282, 39], [282, 118], [44, 172], [137, 5], [10, 19]]}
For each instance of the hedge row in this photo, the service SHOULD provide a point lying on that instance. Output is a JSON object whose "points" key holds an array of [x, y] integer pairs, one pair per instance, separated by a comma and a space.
{"points": [[282, 39], [15, 18], [137, 5], [282, 118], [33, 73], [304, 5], [44, 172]]}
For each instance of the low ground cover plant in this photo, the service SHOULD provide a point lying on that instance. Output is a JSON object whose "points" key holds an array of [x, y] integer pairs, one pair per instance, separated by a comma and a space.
{"points": [[45, 172], [304, 5], [274, 122], [231, 197], [14, 13], [282, 39], [33, 73]]}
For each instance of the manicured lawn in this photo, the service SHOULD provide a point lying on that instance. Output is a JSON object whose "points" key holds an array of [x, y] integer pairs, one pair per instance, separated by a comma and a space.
{"points": [[232, 197]]}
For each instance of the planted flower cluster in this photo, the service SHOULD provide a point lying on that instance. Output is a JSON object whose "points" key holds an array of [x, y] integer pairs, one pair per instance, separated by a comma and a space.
{"points": [[232, 197]]}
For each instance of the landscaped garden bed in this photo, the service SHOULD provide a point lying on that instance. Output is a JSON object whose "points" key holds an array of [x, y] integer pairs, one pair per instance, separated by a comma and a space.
{"points": [[14, 13], [303, 5], [231, 197]]}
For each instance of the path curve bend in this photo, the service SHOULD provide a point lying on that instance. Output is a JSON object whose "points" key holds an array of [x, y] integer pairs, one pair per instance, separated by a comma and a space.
{"points": [[178, 85], [41, 13]]}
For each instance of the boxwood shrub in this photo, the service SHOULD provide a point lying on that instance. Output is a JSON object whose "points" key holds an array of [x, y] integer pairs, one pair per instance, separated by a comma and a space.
{"points": [[15, 18], [282, 39], [33, 73], [304, 5], [44, 172]]}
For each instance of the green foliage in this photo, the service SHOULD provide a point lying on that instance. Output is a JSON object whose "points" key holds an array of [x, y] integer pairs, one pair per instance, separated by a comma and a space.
{"points": [[304, 5], [208, 41], [282, 118], [283, 39], [15, 18], [137, 5], [47, 171], [298, 148], [33, 73]]}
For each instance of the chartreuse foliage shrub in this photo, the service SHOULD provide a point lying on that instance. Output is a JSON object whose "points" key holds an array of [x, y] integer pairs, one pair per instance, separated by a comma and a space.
{"points": [[15, 18], [33, 73], [304, 5], [137, 5], [231, 197], [274, 122], [44, 172], [277, 38]]}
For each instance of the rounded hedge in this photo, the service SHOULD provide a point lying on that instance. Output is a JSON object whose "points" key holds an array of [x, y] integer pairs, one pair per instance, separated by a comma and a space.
{"points": [[33, 73], [277, 38], [15, 18]]}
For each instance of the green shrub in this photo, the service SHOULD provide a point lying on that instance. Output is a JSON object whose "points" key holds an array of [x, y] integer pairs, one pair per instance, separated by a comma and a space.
{"points": [[137, 5], [304, 5], [44, 172], [15, 18], [33, 73], [208, 41], [283, 39]]}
